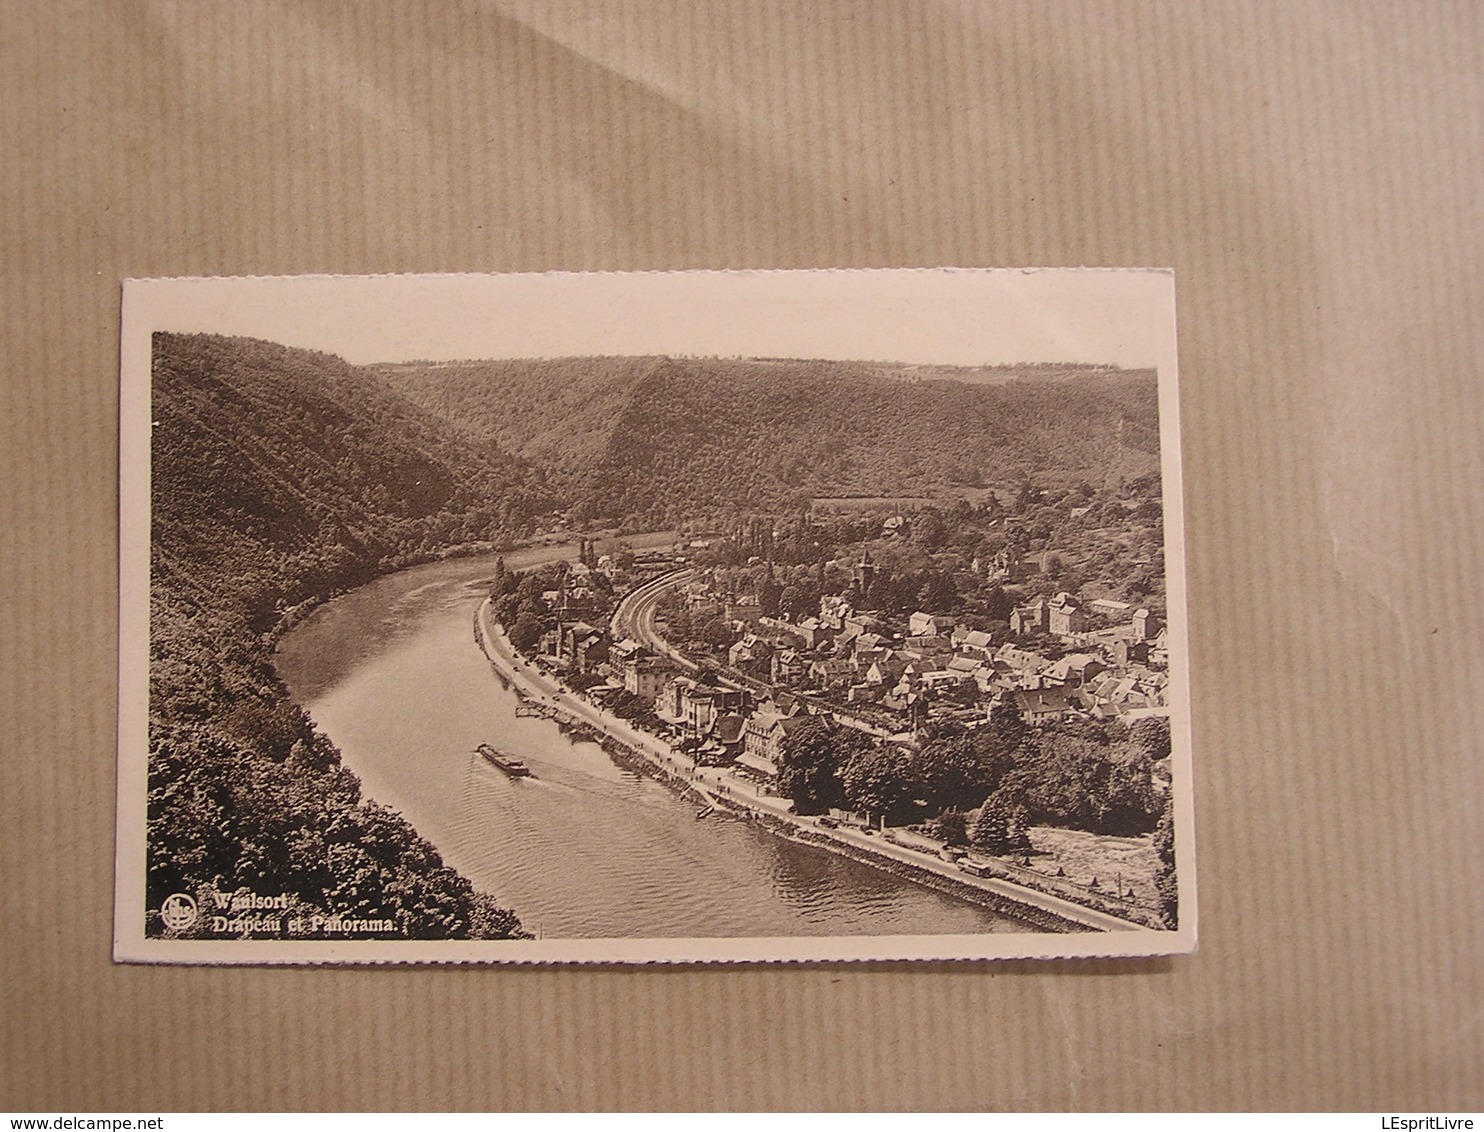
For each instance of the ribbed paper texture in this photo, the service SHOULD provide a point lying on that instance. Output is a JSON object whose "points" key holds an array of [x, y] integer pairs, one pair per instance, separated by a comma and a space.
{"points": [[1312, 173]]}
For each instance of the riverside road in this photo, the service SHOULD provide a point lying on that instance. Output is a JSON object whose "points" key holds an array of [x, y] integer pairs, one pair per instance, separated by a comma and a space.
{"points": [[723, 788]]}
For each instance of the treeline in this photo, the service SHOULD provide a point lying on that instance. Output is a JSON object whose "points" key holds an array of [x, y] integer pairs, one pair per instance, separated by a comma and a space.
{"points": [[518, 603], [296, 473], [1093, 776], [655, 440], [987, 786], [280, 477], [1108, 540]]}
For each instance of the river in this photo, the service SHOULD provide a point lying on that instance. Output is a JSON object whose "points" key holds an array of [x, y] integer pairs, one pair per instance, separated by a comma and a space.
{"points": [[583, 849]]}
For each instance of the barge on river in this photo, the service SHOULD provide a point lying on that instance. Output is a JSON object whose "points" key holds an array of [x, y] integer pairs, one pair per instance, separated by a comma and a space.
{"points": [[511, 765]]}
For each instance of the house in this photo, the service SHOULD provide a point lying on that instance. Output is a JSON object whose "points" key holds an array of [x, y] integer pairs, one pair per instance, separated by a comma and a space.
{"points": [[967, 666], [622, 652], [1043, 705], [724, 742], [1075, 669], [927, 646], [812, 631], [845, 639], [862, 659], [922, 624], [1123, 652], [1159, 649], [1020, 661], [667, 703], [1106, 607], [749, 654], [865, 623], [744, 609], [1118, 696], [789, 705], [806, 633], [1029, 619], [583, 646], [901, 701], [991, 676], [788, 668], [1111, 689], [701, 598], [885, 671], [833, 610], [646, 675], [1151, 683], [1146, 625], [762, 741], [829, 671], [1065, 616], [910, 679], [589, 651], [572, 602], [704, 605], [973, 641], [960, 671], [695, 707]]}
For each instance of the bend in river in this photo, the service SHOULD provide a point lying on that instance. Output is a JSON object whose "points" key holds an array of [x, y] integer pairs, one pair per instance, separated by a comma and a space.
{"points": [[583, 849]]}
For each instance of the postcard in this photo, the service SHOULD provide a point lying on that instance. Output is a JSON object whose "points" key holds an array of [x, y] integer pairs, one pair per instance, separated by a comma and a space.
{"points": [[753, 616]]}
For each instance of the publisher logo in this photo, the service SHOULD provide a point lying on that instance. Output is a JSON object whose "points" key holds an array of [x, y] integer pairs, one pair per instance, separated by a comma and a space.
{"points": [[178, 911]]}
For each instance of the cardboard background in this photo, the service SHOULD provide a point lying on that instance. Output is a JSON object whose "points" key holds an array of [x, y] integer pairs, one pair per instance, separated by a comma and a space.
{"points": [[1310, 170]]}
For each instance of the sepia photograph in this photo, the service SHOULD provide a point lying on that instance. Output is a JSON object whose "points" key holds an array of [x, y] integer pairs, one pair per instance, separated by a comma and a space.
{"points": [[668, 617]]}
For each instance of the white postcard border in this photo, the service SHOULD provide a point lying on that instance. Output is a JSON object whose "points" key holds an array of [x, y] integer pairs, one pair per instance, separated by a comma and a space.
{"points": [[224, 305]]}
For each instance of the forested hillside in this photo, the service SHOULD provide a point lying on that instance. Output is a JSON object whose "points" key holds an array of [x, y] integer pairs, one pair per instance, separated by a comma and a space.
{"points": [[283, 476], [660, 439], [279, 477]]}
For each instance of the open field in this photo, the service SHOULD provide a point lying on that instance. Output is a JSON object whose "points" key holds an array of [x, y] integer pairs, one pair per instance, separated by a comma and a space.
{"points": [[1088, 855]]}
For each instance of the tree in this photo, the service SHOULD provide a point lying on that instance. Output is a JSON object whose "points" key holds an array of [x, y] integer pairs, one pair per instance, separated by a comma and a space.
{"points": [[997, 606], [876, 779], [791, 600], [713, 631], [1149, 511], [769, 595], [1000, 827], [929, 529], [1128, 805], [950, 774], [1164, 881], [953, 827], [500, 584], [507, 609], [937, 592], [528, 594], [808, 772], [526, 631], [1152, 736]]}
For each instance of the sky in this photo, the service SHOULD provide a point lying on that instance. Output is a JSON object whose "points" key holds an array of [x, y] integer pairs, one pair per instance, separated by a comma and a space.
{"points": [[933, 316]]}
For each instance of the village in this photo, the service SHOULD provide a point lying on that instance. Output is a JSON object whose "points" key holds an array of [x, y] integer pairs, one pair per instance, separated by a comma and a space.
{"points": [[670, 642], [888, 676]]}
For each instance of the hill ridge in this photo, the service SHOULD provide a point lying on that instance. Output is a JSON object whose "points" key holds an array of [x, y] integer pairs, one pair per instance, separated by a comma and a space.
{"points": [[650, 437]]}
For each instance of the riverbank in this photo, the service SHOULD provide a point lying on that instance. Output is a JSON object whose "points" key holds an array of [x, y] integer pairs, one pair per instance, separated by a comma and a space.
{"points": [[739, 797]]}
